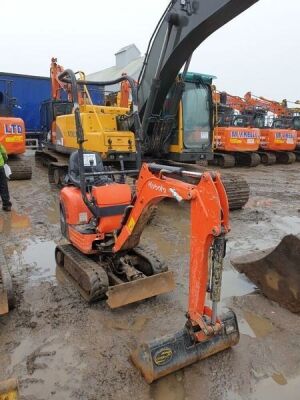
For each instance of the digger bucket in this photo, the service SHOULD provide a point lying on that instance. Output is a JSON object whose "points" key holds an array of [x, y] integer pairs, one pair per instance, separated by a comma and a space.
{"points": [[140, 289], [6, 292], [171, 353], [276, 271], [9, 390]]}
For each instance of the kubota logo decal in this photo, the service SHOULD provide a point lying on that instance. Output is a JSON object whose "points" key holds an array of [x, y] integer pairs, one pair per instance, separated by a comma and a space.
{"points": [[12, 129], [163, 356], [156, 187]]}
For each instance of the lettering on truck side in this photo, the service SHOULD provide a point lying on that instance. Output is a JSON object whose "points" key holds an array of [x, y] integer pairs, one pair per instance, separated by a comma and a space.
{"points": [[243, 135], [12, 129]]}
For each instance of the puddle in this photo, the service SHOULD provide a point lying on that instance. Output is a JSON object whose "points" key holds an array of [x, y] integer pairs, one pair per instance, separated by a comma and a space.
{"points": [[277, 388], [235, 284], [170, 387], [14, 222], [41, 256], [279, 378], [260, 326], [288, 224]]}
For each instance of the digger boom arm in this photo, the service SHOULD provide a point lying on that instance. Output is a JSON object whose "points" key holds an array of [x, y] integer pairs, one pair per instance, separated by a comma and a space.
{"points": [[183, 27], [209, 219]]}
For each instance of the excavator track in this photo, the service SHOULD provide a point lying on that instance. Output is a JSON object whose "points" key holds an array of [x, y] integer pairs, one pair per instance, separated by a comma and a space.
{"points": [[285, 157], [21, 169], [90, 278], [95, 282], [7, 299], [57, 165], [247, 159], [297, 154], [223, 160], [237, 188], [267, 158]]}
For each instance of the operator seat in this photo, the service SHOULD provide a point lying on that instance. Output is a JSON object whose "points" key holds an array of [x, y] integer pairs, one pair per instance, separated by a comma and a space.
{"points": [[92, 163]]}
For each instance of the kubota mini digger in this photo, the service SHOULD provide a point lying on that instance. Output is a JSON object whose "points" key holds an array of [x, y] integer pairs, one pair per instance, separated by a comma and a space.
{"points": [[235, 141], [12, 135], [103, 223]]}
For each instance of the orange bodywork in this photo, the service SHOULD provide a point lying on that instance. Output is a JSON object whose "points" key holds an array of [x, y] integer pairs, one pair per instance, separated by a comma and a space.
{"points": [[236, 139], [298, 140], [77, 213], [278, 139], [12, 135], [209, 220]]}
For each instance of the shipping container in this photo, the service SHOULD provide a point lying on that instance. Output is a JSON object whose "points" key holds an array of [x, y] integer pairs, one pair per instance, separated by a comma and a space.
{"points": [[23, 95], [27, 92]]}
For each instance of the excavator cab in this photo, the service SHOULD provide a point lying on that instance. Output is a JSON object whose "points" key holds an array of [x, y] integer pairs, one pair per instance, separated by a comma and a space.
{"points": [[192, 133]]}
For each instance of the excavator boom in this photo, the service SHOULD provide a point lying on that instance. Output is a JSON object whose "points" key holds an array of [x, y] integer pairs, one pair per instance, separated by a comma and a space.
{"points": [[182, 28]]}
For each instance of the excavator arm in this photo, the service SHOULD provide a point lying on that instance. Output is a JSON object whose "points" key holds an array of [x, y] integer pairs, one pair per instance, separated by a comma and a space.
{"points": [[184, 25], [205, 332], [209, 224]]}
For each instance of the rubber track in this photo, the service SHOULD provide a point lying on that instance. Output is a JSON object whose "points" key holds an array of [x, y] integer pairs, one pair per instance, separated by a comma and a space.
{"points": [[21, 169], [157, 265], [89, 275]]}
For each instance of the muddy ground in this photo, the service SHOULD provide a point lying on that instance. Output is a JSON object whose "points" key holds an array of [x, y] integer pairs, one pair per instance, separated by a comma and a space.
{"points": [[61, 348]]}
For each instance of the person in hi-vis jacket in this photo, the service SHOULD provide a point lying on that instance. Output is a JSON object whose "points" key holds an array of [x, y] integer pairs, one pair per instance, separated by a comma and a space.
{"points": [[4, 193]]}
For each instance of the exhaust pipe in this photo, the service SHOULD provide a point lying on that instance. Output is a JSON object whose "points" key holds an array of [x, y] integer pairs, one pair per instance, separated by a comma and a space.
{"points": [[173, 352]]}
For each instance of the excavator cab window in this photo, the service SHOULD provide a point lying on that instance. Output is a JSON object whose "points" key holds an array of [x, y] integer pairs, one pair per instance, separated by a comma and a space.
{"points": [[197, 115], [296, 123], [240, 121]]}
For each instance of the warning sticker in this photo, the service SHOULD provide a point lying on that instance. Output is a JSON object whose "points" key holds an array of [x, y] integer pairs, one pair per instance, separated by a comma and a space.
{"points": [[131, 224]]}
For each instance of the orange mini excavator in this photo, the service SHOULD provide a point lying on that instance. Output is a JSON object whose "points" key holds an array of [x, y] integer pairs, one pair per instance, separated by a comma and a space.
{"points": [[235, 141], [278, 141], [104, 223], [12, 135]]}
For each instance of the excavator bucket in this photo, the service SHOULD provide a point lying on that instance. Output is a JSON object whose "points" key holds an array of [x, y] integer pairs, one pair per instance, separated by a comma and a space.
{"points": [[130, 292], [275, 271], [6, 291], [9, 390], [166, 355]]}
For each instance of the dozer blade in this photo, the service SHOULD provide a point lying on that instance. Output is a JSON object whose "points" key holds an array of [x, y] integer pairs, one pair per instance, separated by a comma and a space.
{"points": [[276, 271], [171, 353], [130, 292], [9, 390]]}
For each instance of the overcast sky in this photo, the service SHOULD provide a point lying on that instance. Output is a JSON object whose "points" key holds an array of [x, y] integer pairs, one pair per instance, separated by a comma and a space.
{"points": [[257, 51]]}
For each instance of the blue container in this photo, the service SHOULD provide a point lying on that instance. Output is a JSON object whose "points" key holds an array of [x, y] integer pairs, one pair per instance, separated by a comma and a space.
{"points": [[27, 93]]}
